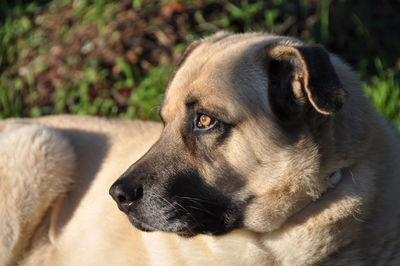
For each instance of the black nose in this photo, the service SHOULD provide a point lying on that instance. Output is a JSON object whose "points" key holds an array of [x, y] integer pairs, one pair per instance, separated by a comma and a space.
{"points": [[126, 194]]}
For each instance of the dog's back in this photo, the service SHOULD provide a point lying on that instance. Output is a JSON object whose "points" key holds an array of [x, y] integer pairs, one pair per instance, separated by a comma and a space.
{"points": [[53, 170]]}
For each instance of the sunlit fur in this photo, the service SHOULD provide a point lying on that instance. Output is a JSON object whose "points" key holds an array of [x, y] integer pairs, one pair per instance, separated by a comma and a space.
{"points": [[58, 170]]}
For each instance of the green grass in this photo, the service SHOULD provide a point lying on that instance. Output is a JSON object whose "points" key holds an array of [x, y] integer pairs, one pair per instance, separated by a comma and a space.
{"points": [[384, 92], [131, 88], [144, 101]]}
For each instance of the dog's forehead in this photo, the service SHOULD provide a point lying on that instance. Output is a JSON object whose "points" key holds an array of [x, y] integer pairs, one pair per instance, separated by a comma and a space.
{"points": [[222, 72]]}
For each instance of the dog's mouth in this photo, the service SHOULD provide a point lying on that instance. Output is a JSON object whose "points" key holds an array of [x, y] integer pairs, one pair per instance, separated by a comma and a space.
{"points": [[186, 231], [182, 227], [182, 221], [152, 217], [186, 206], [146, 227], [140, 225]]}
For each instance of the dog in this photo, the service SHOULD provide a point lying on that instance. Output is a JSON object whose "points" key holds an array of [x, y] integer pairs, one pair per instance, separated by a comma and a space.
{"points": [[269, 154]]}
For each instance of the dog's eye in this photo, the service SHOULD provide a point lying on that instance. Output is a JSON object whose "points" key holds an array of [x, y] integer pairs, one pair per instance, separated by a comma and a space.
{"points": [[205, 122]]}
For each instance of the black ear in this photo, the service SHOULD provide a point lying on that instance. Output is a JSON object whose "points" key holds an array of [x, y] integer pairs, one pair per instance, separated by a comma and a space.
{"points": [[298, 75]]}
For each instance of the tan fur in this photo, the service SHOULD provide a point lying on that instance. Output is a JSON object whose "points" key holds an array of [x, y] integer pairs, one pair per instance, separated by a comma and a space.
{"points": [[56, 171]]}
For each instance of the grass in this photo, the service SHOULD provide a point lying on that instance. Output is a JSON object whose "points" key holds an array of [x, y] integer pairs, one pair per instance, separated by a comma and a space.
{"points": [[111, 58], [384, 92]]}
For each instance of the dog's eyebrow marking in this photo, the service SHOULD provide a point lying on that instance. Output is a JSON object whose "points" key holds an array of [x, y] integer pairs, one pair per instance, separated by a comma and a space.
{"points": [[191, 100], [220, 113]]}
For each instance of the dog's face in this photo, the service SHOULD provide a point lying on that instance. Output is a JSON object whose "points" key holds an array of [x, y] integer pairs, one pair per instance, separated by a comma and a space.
{"points": [[244, 118]]}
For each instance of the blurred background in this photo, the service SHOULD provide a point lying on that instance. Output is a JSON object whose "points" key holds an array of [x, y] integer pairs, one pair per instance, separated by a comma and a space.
{"points": [[113, 58]]}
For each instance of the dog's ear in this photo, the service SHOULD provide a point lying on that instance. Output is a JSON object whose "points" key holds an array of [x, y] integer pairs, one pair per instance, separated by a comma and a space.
{"points": [[298, 75]]}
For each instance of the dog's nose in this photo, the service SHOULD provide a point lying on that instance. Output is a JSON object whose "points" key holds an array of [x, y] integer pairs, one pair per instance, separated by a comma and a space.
{"points": [[126, 194]]}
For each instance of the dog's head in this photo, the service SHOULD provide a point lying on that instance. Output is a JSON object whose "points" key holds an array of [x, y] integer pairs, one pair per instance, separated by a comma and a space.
{"points": [[247, 140]]}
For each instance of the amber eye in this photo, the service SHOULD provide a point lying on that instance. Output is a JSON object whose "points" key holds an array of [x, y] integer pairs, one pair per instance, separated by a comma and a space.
{"points": [[205, 121]]}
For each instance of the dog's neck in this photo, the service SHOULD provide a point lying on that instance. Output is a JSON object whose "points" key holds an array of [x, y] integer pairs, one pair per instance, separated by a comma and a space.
{"points": [[333, 181], [318, 224]]}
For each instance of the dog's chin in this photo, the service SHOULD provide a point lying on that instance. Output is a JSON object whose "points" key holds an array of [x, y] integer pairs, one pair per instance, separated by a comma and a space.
{"points": [[145, 227], [185, 232], [195, 232], [140, 225]]}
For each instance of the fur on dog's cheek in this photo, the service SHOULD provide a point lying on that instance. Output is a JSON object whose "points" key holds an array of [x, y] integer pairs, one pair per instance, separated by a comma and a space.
{"points": [[212, 211]]}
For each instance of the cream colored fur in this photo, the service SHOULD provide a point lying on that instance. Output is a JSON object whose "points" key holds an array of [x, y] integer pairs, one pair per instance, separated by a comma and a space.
{"points": [[56, 171], [36, 168]]}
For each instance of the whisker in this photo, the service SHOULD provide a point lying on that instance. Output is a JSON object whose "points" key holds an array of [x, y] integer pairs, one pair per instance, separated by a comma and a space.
{"points": [[173, 205], [198, 200], [203, 210]]}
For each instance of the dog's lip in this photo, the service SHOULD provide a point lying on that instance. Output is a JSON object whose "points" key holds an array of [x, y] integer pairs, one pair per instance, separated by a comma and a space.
{"points": [[186, 234], [137, 223], [140, 224]]}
